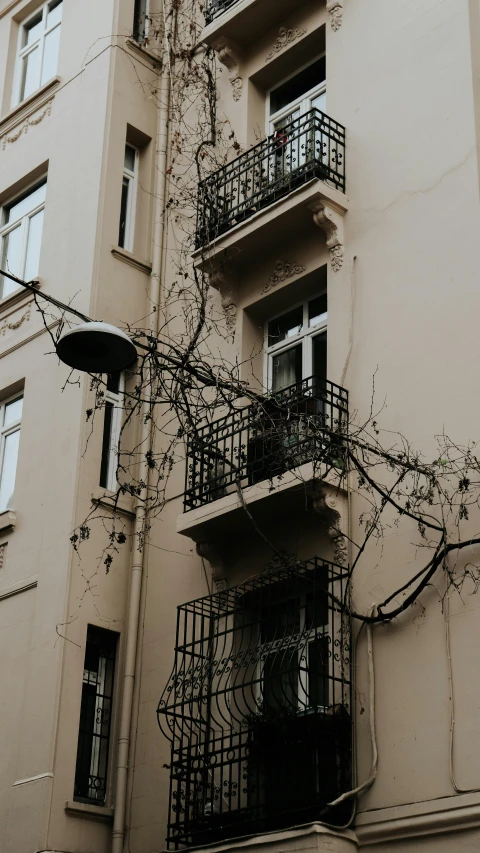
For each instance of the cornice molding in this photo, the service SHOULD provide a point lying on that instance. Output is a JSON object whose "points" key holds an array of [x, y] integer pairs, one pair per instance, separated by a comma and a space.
{"points": [[448, 814]]}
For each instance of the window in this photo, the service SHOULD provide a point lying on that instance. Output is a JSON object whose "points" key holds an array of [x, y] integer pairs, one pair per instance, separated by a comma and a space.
{"points": [[111, 430], [302, 92], [10, 419], [21, 225], [95, 716], [140, 21], [129, 198], [296, 344], [39, 41]]}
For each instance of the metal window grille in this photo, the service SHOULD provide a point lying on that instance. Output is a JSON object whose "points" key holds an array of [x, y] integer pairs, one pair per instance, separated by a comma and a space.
{"points": [[258, 706], [95, 716], [311, 146], [299, 424], [214, 8]]}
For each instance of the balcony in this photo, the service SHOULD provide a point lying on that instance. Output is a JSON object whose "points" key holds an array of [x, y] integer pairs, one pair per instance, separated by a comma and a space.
{"points": [[265, 439], [214, 8], [311, 147], [258, 707]]}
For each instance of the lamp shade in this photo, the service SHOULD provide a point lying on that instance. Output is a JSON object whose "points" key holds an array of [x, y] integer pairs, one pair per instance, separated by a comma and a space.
{"points": [[96, 348]]}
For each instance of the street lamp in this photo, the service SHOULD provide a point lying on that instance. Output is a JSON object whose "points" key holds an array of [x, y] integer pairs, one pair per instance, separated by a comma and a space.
{"points": [[96, 347]]}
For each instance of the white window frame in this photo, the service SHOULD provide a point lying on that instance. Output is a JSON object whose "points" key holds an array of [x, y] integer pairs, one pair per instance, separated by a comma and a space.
{"points": [[5, 431], [303, 104], [116, 398], [305, 337], [24, 221], [23, 50], [132, 178]]}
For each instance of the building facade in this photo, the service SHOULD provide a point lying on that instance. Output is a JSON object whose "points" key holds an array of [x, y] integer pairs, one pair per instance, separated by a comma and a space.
{"points": [[347, 190]]}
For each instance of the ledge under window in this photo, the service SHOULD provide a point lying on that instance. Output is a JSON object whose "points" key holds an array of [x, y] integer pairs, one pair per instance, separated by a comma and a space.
{"points": [[128, 258], [33, 102], [89, 811], [8, 520]]}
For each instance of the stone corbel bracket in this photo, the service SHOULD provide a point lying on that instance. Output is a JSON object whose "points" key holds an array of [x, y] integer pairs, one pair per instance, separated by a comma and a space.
{"points": [[330, 219], [331, 506], [219, 281], [335, 9], [228, 56], [209, 551]]}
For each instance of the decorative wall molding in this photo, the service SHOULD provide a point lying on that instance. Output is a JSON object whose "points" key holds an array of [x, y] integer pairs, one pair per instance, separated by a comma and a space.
{"points": [[219, 281], [3, 554], [29, 121], [328, 506], [228, 56], [12, 325], [330, 220], [210, 552], [283, 270], [16, 589], [285, 37], [335, 8]]}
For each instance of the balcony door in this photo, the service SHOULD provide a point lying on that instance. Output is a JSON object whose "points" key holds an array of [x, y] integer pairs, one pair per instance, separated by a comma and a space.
{"points": [[296, 345], [290, 121]]}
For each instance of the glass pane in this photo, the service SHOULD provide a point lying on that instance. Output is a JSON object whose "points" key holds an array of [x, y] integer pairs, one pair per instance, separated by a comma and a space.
{"points": [[50, 55], [318, 655], [113, 382], [280, 680], [139, 20], [30, 73], [286, 326], [320, 102], [130, 158], [287, 368], [320, 356], [123, 213], [26, 204], [9, 467], [34, 240], [317, 310], [11, 259], [298, 85], [106, 446], [13, 411], [33, 30], [54, 14]]}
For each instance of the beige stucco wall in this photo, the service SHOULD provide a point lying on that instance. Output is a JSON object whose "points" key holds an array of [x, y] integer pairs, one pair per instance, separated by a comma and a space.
{"points": [[403, 78]]}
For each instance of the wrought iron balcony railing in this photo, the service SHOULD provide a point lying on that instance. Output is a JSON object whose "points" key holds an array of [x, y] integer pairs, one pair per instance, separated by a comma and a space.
{"points": [[215, 8], [312, 146], [265, 439], [258, 706]]}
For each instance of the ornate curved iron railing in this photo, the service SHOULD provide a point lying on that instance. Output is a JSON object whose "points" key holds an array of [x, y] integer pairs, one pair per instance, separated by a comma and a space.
{"points": [[263, 440], [312, 146], [215, 8], [258, 706]]}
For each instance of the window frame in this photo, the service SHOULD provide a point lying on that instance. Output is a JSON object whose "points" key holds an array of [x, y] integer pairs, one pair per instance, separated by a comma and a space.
{"points": [[131, 207], [101, 699], [305, 338], [23, 50], [303, 103], [24, 223], [144, 39], [5, 431], [116, 400]]}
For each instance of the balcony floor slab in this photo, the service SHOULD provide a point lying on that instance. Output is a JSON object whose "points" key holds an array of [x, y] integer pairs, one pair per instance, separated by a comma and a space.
{"points": [[312, 838]]}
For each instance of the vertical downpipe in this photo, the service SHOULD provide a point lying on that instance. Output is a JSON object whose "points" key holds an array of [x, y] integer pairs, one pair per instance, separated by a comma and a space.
{"points": [[140, 533]]}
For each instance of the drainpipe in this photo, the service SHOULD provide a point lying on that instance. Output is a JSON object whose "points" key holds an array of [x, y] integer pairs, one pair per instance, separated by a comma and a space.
{"points": [[140, 531]]}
